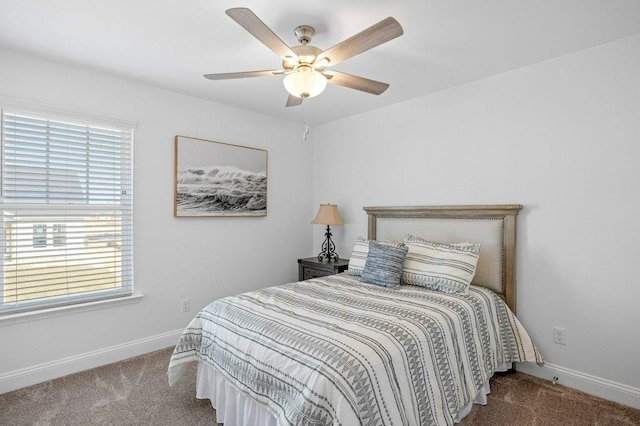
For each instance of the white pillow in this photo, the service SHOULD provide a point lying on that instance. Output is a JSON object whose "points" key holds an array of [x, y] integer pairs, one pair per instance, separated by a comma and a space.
{"points": [[448, 268], [361, 251]]}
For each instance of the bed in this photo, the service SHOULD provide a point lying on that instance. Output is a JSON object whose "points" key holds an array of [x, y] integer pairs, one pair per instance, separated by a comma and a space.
{"points": [[341, 350]]}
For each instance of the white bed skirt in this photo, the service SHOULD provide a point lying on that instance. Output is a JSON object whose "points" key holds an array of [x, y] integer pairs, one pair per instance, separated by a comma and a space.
{"points": [[233, 408]]}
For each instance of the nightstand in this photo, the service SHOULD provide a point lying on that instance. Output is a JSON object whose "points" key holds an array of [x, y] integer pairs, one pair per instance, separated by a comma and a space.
{"points": [[311, 267]]}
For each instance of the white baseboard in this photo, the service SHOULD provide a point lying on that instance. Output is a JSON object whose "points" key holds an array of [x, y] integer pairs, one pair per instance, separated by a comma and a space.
{"points": [[587, 383], [50, 370]]}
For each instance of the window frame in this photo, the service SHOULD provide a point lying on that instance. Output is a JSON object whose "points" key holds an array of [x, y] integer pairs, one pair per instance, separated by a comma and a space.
{"points": [[59, 240]]}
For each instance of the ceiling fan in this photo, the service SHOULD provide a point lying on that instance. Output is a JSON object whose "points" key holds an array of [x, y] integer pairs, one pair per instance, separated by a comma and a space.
{"points": [[305, 66]]}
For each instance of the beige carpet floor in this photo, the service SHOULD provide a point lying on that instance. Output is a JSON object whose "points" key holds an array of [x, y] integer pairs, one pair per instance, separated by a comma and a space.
{"points": [[135, 392]]}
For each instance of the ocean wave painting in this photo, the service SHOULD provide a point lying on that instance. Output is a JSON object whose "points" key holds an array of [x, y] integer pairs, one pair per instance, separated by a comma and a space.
{"points": [[233, 184], [221, 189]]}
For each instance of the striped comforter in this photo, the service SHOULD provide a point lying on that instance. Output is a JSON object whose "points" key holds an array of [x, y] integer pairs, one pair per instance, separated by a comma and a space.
{"points": [[334, 350]]}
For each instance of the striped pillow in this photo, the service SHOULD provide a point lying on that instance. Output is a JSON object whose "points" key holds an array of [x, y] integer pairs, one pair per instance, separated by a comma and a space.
{"points": [[384, 264], [360, 252], [448, 268]]}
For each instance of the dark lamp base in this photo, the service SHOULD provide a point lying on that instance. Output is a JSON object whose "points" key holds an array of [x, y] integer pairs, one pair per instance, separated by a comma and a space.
{"points": [[328, 253]]}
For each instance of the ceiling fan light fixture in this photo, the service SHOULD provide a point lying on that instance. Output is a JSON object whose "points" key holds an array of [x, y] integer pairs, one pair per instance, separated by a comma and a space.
{"points": [[305, 82]]}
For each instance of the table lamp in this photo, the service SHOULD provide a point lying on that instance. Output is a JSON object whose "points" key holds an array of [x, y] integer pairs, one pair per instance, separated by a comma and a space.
{"points": [[328, 215]]}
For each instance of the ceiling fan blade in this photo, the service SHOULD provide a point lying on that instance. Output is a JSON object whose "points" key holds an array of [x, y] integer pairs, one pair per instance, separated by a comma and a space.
{"points": [[294, 101], [375, 35], [355, 82], [246, 74], [250, 22]]}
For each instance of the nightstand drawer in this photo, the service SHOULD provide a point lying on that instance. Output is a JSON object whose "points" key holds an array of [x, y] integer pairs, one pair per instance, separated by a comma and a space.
{"points": [[308, 273], [311, 267]]}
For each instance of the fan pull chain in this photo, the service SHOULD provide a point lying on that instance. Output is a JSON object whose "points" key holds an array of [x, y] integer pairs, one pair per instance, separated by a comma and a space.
{"points": [[305, 122]]}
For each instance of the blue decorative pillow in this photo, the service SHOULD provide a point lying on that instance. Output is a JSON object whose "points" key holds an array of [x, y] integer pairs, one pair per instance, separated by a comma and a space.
{"points": [[360, 253], [384, 264]]}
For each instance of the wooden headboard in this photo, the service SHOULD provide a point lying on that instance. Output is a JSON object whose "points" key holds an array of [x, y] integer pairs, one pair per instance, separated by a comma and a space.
{"points": [[493, 226]]}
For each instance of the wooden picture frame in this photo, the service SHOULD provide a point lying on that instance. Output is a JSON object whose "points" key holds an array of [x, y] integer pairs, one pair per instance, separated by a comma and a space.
{"points": [[218, 179]]}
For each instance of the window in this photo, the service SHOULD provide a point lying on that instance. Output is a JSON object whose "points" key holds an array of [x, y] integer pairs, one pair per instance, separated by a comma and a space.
{"points": [[59, 234], [71, 178], [39, 236]]}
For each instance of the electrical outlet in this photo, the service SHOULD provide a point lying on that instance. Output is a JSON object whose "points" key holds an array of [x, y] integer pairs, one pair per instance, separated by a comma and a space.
{"points": [[186, 305], [560, 335]]}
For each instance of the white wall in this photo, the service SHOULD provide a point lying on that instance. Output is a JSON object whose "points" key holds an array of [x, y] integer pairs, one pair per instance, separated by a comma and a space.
{"points": [[197, 258], [560, 137]]}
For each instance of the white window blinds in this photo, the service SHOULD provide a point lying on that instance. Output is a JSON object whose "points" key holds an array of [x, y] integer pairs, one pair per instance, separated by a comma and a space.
{"points": [[67, 211]]}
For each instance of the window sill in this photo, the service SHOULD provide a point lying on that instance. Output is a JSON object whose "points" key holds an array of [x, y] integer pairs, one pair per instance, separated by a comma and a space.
{"points": [[70, 309]]}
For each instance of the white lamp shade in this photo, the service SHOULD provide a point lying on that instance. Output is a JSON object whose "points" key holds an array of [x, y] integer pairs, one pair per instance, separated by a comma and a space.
{"points": [[305, 83]]}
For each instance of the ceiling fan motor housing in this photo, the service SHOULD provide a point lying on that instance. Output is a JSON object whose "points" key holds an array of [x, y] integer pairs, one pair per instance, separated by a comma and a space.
{"points": [[306, 55]]}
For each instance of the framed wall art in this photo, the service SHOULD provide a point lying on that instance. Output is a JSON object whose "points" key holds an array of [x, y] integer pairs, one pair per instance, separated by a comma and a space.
{"points": [[219, 179]]}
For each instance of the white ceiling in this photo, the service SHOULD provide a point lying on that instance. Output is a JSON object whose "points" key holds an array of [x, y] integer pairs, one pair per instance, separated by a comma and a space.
{"points": [[171, 43]]}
